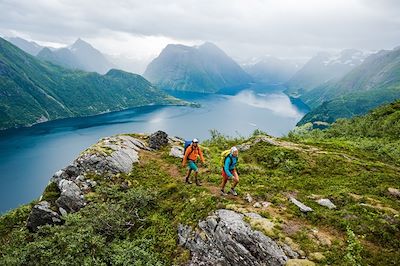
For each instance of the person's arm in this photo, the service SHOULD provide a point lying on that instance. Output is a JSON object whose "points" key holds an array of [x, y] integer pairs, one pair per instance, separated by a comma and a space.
{"points": [[201, 155], [226, 167], [185, 156]]}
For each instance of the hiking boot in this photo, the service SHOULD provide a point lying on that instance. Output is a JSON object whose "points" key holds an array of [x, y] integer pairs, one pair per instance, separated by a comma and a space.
{"points": [[233, 192], [223, 193], [198, 183], [187, 181]]}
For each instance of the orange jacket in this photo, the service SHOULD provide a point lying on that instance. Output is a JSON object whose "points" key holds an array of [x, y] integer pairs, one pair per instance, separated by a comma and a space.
{"points": [[192, 155]]}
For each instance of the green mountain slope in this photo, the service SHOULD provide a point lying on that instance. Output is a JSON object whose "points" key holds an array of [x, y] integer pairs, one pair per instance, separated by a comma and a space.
{"points": [[322, 68], [375, 82], [34, 91]]}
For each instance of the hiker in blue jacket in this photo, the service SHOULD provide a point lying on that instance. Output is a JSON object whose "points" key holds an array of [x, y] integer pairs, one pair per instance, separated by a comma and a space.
{"points": [[229, 171]]}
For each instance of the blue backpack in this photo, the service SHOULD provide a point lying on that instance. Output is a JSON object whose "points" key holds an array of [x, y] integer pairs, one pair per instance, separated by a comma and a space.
{"points": [[185, 146]]}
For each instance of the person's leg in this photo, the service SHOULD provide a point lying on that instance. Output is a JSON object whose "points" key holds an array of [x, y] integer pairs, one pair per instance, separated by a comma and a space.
{"points": [[188, 175], [224, 180], [235, 179], [197, 180]]}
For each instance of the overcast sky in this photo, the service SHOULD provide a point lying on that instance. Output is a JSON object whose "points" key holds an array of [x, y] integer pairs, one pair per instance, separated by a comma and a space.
{"points": [[140, 29]]}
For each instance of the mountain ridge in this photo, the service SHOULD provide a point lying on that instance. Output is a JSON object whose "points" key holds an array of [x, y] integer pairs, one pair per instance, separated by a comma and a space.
{"points": [[204, 68], [36, 91]]}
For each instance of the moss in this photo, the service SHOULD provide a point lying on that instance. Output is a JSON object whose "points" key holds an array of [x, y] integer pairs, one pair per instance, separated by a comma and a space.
{"points": [[51, 193]]}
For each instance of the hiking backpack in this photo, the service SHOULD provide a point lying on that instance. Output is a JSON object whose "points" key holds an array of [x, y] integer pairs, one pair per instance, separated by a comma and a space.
{"points": [[186, 145], [224, 155]]}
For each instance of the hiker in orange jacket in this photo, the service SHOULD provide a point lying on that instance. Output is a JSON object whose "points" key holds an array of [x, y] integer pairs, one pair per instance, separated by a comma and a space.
{"points": [[190, 157]]}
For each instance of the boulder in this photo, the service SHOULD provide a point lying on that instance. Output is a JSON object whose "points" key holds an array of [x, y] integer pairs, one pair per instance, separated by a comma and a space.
{"points": [[158, 140], [111, 156], [394, 192], [224, 238], [326, 203], [301, 206], [71, 198], [257, 205], [176, 151], [41, 214], [248, 198]]}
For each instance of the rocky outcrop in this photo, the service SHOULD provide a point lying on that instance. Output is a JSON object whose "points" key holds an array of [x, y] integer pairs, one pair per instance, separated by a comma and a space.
{"points": [[176, 151], [41, 214], [71, 198], [247, 146], [110, 156], [158, 140], [301, 206], [224, 238]]}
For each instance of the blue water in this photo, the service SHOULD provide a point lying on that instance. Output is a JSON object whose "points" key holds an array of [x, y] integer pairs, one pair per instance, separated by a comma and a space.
{"points": [[30, 156]]}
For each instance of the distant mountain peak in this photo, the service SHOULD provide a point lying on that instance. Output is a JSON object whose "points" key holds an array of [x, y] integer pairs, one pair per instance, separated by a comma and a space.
{"points": [[81, 44], [203, 68]]}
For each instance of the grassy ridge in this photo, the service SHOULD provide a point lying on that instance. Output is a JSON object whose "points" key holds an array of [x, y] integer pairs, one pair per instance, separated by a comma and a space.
{"points": [[132, 219]]}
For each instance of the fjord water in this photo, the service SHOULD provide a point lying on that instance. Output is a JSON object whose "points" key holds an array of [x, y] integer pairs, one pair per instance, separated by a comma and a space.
{"points": [[30, 156]]}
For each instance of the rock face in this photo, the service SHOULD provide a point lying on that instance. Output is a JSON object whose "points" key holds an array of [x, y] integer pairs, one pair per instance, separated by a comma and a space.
{"points": [[176, 151], [225, 239], [158, 140], [301, 206], [247, 146], [327, 203], [71, 198], [41, 214], [109, 156]]}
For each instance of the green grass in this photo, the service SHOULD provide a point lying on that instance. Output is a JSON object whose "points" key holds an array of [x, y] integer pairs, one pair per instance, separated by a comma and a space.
{"points": [[132, 219]]}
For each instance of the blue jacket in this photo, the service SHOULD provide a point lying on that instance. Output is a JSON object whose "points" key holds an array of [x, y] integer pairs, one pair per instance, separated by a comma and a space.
{"points": [[230, 164]]}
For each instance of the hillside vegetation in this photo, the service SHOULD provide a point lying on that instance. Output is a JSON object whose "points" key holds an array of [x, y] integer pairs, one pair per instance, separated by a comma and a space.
{"points": [[373, 83], [33, 91], [132, 219]]}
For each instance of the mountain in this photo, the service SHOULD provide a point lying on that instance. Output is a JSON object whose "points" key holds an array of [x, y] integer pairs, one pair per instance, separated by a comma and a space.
{"points": [[322, 68], [80, 55], [312, 198], [375, 82], [270, 70], [204, 68], [29, 47], [34, 91]]}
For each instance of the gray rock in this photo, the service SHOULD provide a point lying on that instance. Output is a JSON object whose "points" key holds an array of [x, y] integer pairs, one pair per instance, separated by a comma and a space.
{"points": [[122, 154], [71, 198], [394, 192], [62, 211], [173, 140], [265, 139], [225, 239], [326, 203], [301, 206], [158, 140], [257, 205], [176, 151], [266, 204], [248, 198], [41, 214], [243, 147]]}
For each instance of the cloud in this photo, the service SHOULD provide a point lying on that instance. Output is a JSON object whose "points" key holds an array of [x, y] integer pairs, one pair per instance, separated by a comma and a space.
{"points": [[286, 28]]}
